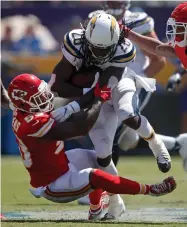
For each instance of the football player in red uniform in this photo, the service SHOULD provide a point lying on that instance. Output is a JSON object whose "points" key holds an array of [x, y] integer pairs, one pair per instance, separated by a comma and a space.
{"points": [[62, 176]]}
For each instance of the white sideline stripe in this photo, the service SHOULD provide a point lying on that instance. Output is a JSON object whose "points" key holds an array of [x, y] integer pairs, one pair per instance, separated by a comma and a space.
{"points": [[44, 129], [143, 215]]}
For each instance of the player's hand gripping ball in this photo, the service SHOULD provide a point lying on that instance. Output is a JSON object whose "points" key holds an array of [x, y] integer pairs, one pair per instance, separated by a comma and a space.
{"points": [[85, 77]]}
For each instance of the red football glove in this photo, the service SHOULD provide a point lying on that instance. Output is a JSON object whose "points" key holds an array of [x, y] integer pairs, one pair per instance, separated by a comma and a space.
{"points": [[126, 27], [125, 30], [104, 93]]}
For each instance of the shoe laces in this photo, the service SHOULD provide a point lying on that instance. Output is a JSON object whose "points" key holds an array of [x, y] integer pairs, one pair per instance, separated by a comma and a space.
{"points": [[105, 200], [163, 157]]}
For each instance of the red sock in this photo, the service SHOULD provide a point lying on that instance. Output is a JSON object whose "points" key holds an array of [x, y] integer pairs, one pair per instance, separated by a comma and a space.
{"points": [[95, 196], [95, 199], [117, 184]]}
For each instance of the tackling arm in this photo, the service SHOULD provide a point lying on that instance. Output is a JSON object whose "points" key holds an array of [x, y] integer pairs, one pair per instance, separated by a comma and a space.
{"points": [[156, 62], [151, 45], [78, 125]]}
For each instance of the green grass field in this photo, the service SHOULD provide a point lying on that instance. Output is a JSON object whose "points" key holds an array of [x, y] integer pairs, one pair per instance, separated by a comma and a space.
{"points": [[16, 196]]}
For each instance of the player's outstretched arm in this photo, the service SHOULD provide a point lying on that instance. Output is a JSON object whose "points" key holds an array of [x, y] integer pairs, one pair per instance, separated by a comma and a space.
{"points": [[166, 51], [151, 45]]}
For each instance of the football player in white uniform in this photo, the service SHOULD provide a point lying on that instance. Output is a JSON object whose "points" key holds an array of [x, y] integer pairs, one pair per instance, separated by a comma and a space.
{"points": [[146, 65], [103, 45]]}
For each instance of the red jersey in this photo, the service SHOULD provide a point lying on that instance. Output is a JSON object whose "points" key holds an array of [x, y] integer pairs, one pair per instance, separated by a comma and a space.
{"points": [[44, 159]]}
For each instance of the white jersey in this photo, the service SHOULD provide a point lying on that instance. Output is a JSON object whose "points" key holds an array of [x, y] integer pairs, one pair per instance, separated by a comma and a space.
{"points": [[142, 24], [73, 51]]}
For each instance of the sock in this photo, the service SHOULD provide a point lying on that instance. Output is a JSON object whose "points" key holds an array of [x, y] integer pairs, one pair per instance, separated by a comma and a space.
{"points": [[168, 141], [145, 130], [147, 133], [116, 184], [95, 198]]}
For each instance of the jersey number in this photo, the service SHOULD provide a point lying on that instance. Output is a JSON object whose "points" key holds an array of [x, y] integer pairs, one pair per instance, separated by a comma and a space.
{"points": [[15, 124], [77, 39], [26, 155]]}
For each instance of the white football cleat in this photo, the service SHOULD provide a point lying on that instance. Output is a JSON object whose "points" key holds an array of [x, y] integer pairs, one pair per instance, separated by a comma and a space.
{"points": [[116, 209], [161, 154], [182, 141], [84, 200], [103, 210]]}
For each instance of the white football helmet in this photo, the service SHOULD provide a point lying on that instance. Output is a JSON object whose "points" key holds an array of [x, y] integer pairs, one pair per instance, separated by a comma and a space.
{"points": [[116, 8], [102, 35]]}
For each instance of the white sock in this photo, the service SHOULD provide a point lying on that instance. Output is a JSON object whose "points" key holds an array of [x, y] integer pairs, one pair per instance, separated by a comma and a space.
{"points": [[145, 130], [155, 143], [168, 141]]}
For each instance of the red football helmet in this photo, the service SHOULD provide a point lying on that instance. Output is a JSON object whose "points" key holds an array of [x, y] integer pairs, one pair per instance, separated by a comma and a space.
{"points": [[116, 8], [30, 94], [176, 32]]}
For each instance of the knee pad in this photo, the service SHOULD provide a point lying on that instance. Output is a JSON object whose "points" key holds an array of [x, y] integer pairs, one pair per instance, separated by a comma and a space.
{"points": [[104, 162]]}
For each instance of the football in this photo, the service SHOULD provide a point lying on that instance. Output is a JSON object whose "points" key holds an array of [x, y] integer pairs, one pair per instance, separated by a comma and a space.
{"points": [[85, 77]]}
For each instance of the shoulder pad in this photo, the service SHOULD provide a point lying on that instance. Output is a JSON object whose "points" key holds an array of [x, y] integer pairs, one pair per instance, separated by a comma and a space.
{"points": [[135, 16], [73, 41], [37, 125], [125, 53], [94, 13], [140, 22]]}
